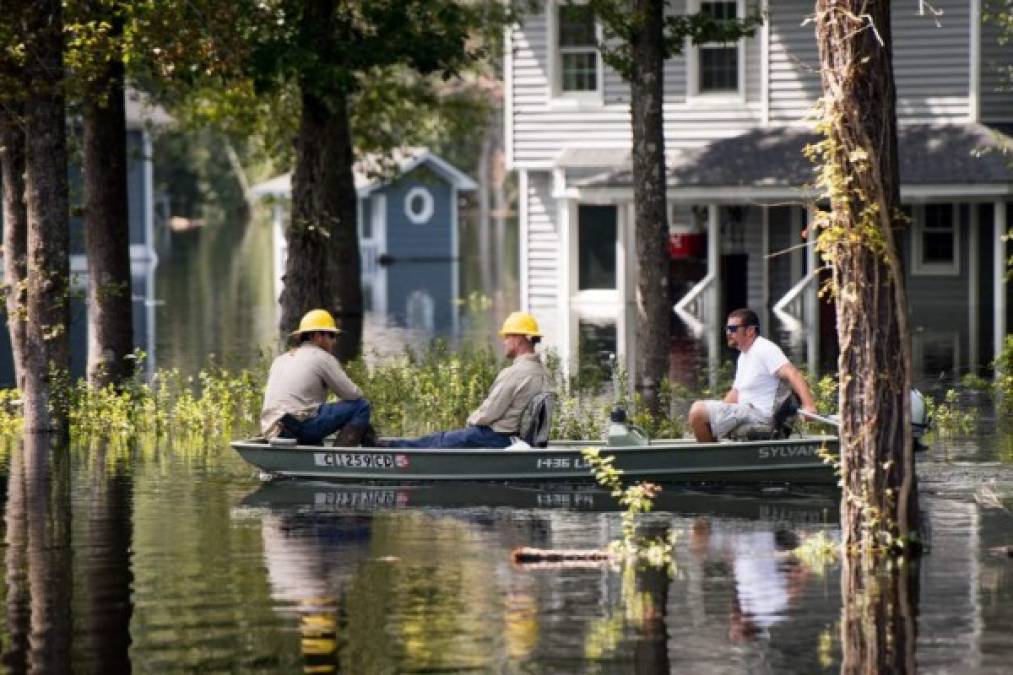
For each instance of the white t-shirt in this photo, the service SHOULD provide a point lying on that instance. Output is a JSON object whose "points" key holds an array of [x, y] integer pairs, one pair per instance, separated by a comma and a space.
{"points": [[754, 374]]}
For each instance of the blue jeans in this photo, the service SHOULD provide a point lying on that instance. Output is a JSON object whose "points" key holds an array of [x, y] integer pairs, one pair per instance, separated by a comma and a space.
{"points": [[468, 437], [329, 418]]}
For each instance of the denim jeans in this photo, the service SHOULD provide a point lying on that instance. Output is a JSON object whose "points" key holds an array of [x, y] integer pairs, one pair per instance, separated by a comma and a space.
{"points": [[329, 418], [468, 437]]}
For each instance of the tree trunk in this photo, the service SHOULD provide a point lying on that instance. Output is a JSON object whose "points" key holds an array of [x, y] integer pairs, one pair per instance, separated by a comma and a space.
{"points": [[879, 505], [15, 239], [46, 358], [107, 228], [322, 269], [879, 617], [653, 299]]}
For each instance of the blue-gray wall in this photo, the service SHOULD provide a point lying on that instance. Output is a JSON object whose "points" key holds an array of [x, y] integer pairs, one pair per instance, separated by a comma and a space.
{"points": [[407, 240]]}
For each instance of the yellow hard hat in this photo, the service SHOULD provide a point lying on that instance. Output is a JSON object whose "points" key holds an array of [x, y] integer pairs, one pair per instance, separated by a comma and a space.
{"points": [[520, 323], [316, 321]]}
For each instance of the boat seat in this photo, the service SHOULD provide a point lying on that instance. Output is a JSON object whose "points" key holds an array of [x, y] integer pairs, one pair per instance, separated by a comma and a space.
{"points": [[536, 420], [786, 405]]}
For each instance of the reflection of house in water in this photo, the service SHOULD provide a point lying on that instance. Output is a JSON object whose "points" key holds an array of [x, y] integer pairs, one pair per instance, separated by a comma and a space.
{"points": [[408, 237], [143, 259], [734, 133]]}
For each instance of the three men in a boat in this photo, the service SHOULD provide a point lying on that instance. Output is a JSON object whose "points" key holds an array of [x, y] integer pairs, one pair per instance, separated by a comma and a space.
{"points": [[499, 416], [760, 368], [298, 384]]}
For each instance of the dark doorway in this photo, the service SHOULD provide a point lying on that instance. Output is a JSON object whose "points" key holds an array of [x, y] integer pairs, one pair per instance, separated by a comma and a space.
{"points": [[735, 282]]}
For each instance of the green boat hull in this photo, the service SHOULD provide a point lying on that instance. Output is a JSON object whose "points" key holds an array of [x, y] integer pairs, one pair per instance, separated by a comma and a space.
{"points": [[796, 460]]}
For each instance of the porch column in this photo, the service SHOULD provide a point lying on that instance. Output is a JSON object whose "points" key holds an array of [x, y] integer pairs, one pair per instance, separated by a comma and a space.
{"points": [[714, 318], [999, 274], [812, 300], [764, 309], [567, 265], [973, 288]]}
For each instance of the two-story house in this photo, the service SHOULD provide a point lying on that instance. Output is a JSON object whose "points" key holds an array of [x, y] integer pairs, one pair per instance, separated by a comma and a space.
{"points": [[735, 126]]}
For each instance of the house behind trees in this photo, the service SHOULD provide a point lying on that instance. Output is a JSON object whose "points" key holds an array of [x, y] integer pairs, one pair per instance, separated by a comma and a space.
{"points": [[735, 128]]}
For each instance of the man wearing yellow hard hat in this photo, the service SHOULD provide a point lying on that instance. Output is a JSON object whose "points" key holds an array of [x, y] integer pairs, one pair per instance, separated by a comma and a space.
{"points": [[298, 384], [499, 416]]}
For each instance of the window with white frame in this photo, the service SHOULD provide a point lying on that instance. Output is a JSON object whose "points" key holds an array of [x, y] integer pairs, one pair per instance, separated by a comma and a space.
{"points": [[935, 242], [716, 67], [577, 41]]}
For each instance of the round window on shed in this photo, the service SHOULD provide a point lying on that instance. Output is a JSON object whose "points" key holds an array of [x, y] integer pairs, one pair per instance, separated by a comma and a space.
{"points": [[418, 205]]}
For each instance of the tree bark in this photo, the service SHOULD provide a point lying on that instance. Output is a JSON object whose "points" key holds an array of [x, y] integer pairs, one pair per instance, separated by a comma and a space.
{"points": [[653, 298], [46, 359], [322, 269], [15, 239], [107, 227], [879, 503]]}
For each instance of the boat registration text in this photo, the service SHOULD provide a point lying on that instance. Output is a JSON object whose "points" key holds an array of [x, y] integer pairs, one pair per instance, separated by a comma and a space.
{"points": [[354, 460]]}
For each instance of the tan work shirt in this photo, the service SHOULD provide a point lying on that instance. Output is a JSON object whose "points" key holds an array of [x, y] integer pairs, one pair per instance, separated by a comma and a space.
{"points": [[298, 384], [513, 389]]}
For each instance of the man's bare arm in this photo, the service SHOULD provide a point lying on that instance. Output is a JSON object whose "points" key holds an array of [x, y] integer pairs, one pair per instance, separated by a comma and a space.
{"points": [[793, 376]]}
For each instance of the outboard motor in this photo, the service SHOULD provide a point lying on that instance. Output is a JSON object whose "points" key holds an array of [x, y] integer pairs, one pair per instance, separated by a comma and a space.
{"points": [[920, 420], [620, 432]]}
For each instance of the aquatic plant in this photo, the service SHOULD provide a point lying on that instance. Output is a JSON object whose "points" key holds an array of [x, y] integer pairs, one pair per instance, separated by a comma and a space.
{"points": [[1003, 385], [636, 500], [948, 419], [818, 552]]}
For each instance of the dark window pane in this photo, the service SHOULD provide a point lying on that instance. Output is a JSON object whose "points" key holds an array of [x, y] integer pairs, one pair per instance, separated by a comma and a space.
{"points": [[719, 10], [596, 247], [719, 69], [938, 234], [576, 26], [580, 72]]}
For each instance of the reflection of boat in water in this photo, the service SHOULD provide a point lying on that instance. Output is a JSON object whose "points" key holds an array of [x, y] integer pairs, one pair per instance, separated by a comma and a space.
{"points": [[795, 459], [814, 505]]}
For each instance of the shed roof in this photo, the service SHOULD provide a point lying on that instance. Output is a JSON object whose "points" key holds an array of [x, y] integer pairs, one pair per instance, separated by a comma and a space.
{"points": [[374, 171], [930, 154]]}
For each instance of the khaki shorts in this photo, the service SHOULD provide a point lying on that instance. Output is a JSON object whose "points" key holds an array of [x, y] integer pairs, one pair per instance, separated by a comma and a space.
{"points": [[724, 417]]}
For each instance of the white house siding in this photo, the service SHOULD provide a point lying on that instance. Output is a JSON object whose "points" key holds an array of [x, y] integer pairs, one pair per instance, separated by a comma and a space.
{"points": [[543, 252], [996, 79], [931, 63], [543, 126]]}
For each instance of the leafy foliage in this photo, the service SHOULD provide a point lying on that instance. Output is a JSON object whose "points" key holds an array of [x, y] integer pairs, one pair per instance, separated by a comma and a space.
{"points": [[622, 27]]}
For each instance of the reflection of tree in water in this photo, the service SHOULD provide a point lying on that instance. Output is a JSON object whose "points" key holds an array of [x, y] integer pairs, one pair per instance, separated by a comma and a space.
{"points": [[879, 616], [38, 558]]}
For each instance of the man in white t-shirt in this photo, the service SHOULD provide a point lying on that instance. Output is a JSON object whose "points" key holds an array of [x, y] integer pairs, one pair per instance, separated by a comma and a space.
{"points": [[760, 368]]}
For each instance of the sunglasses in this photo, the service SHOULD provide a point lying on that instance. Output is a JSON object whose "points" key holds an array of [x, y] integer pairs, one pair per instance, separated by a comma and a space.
{"points": [[731, 328]]}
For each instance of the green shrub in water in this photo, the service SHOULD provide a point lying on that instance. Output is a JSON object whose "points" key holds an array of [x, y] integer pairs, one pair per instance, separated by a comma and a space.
{"points": [[947, 418]]}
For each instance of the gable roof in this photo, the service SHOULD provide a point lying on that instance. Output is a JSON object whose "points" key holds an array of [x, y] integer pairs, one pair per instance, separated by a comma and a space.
{"points": [[373, 172], [930, 154]]}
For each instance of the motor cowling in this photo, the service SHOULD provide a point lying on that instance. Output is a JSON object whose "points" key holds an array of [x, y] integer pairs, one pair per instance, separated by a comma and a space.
{"points": [[920, 420]]}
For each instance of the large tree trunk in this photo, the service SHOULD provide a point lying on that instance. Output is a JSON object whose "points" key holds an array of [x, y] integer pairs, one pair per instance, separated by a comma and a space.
{"points": [[15, 226], [46, 359], [322, 269], [654, 305], [107, 228], [879, 506]]}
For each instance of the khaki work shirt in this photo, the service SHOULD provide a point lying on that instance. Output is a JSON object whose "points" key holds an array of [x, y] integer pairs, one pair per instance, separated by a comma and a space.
{"points": [[513, 389], [298, 384]]}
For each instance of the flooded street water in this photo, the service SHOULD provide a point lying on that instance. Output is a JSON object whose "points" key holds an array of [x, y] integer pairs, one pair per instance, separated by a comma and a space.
{"points": [[172, 557]]}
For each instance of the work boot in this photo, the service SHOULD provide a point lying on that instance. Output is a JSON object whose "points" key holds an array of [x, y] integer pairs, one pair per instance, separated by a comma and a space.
{"points": [[370, 439], [350, 436]]}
